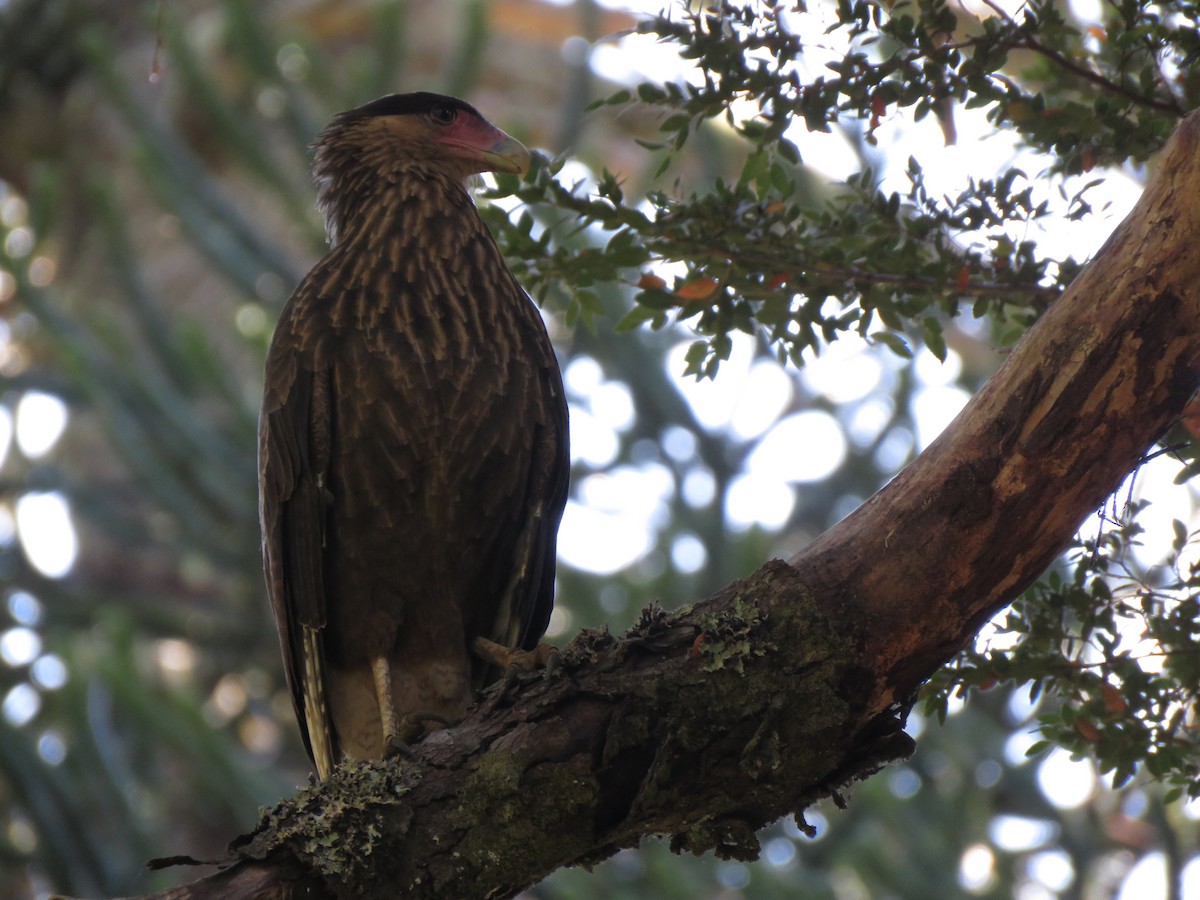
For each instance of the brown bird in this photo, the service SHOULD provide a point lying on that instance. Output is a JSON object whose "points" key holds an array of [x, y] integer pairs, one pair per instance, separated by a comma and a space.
{"points": [[413, 456]]}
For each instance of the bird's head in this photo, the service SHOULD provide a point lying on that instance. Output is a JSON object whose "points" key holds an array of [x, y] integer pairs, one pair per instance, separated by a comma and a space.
{"points": [[419, 133]]}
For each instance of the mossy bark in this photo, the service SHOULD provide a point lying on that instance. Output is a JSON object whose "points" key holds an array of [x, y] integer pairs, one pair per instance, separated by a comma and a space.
{"points": [[707, 723]]}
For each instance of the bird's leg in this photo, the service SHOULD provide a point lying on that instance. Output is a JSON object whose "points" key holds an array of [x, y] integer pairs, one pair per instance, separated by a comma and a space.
{"points": [[394, 732], [398, 731]]}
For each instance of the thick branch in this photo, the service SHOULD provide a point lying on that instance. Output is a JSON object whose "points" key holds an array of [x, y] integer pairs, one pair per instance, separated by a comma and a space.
{"points": [[708, 723], [988, 506], [705, 725]]}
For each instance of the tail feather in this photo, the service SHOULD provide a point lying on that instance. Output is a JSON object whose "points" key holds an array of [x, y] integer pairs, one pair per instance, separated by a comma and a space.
{"points": [[316, 710]]}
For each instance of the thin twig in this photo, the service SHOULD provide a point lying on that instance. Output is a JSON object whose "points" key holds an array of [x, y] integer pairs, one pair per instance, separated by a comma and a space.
{"points": [[1029, 42]]}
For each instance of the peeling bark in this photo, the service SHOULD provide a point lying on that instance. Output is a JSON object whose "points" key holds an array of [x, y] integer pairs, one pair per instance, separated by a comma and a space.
{"points": [[708, 723], [989, 505]]}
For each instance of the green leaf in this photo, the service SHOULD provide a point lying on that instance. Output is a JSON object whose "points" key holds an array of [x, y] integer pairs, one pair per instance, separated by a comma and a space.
{"points": [[893, 342], [638, 316], [650, 93], [935, 340]]}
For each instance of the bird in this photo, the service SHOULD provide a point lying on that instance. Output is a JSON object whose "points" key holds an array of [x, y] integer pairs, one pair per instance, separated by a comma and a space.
{"points": [[413, 439]]}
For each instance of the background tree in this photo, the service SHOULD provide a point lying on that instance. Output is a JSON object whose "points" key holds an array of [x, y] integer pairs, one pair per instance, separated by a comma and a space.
{"points": [[144, 265]]}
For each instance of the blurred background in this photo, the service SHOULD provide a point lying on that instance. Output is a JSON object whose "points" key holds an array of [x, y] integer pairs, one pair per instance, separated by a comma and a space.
{"points": [[155, 212]]}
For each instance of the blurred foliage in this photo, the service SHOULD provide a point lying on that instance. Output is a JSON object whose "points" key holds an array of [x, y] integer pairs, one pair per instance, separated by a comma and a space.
{"points": [[889, 263], [1117, 647], [155, 210]]}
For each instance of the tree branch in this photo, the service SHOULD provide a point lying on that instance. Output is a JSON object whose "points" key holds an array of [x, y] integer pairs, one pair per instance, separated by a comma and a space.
{"points": [[1071, 412], [710, 722], [1026, 39]]}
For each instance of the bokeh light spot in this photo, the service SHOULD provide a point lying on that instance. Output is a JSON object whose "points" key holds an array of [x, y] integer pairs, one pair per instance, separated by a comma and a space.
{"points": [[1065, 782], [977, 868], [759, 500], [20, 646], [260, 735], [51, 747], [612, 404], [688, 553], [934, 408], [1017, 834], [846, 370], [46, 533], [24, 608], [22, 836], [699, 488], [176, 660], [780, 852], [602, 542], [41, 420], [1053, 869], [21, 704], [250, 320], [765, 395], [49, 672], [808, 446], [679, 444]]}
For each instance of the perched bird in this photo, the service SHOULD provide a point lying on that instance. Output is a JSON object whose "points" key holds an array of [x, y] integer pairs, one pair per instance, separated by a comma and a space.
{"points": [[413, 456]]}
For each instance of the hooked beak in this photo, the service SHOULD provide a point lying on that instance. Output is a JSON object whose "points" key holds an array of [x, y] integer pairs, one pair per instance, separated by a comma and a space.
{"points": [[507, 155]]}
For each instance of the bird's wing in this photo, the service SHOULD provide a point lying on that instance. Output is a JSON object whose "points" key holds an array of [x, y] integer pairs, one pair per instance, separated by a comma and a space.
{"points": [[552, 461], [526, 604], [294, 501]]}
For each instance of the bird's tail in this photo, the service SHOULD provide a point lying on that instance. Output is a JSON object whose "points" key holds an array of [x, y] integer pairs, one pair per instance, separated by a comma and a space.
{"points": [[316, 710]]}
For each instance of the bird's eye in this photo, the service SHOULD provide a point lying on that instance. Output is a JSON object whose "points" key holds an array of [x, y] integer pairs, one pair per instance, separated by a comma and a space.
{"points": [[443, 115]]}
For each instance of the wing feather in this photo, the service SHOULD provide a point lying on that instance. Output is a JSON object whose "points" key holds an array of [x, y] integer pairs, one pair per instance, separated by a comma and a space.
{"points": [[294, 502], [524, 607]]}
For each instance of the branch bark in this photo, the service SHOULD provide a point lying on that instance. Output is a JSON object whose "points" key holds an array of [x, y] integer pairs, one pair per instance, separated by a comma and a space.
{"points": [[707, 723]]}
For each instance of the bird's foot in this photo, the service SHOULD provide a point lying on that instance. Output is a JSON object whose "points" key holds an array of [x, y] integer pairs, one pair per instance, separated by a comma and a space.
{"points": [[393, 747], [409, 729], [515, 662]]}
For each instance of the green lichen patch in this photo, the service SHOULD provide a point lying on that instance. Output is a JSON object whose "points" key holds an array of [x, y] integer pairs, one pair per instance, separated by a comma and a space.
{"points": [[730, 636], [335, 825], [587, 647]]}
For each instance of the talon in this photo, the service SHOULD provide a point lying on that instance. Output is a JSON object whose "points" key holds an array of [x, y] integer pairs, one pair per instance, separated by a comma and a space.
{"points": [[432, 717], [550, 659], [410, 728], [393, 747], [543, 656], [415, 724], [514, 663]]}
